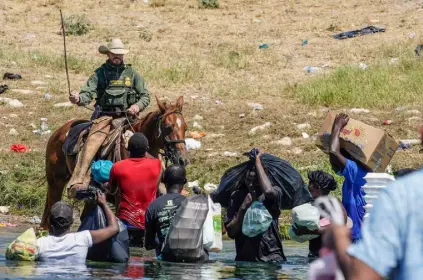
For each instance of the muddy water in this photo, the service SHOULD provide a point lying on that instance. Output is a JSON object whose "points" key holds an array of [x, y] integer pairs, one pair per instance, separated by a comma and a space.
{"points": [[221, 266]]}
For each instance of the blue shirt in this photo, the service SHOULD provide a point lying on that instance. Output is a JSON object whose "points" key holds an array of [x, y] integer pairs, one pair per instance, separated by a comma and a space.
{"points": [[392, 242], [353, 195]]}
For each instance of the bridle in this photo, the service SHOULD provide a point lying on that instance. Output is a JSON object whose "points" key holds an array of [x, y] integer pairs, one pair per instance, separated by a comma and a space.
{"points": [[170, 152]]}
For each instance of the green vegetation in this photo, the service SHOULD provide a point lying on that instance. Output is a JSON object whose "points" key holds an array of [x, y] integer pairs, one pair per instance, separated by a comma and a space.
{"points": [[209, 4], [77, 25]]}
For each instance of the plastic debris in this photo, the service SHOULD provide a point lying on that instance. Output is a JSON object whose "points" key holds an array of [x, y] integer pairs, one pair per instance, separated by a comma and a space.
{"points": [[218, 102], [302, 126], [286, 141], [34, 220], [7, 225], [11, 76], [255, 106], [241, 116], [48, 96], [196, 134], [412, 35], [305, 42], [363, 66], [230, 154], [4, 210], [44, 130], [209, 187], [360, 32], [63, 104], [359, 111], [404, 146], [3, 88], [192, 144], [262, 127], [411, 141], [312, 69], [19, 148], [387, 122], [13, 132], [193, 184], [305, 135], [256, 20], [263, 46], [394, 60]]}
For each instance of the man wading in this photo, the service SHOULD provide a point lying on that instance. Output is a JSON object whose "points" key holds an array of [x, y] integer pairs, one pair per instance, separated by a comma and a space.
{"points": [[119, 91]]}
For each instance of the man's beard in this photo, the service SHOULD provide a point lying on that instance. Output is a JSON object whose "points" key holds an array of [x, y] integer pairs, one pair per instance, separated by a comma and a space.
{"points": [[117, 61]]}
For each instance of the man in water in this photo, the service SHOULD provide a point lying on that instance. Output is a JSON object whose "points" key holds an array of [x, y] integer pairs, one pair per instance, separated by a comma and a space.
{"points": [[161, 211], [354, 173], [119, 91], [61, 245], [267, 246], [137, 179]]}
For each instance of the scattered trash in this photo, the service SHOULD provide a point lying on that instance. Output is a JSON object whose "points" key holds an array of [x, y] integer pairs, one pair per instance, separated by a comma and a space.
{"points": [[256, 20], [193, 184], [196, 134], [32, 125], [312, 114], [241, 116], [11, 76], [19, 148], [197, 125], [230, 154], [192, 144], [29, 36], [360, 32], [218, 102], [297, 151], [7, 225], [411, 141], [38, 83], [215, 135], [255, 106], [13, 132], [34, 220], [312, 69], [412, 35], [263, 46], [63, 104], [4, 210], [394, 60], [259, 128], [413, 112], [404, 146], [3, 88], [23, 91], [209, 187], [387, 122], [305, 135], [359, 111], [286, 141], [48, 96], [197, 118], [305, 42], [418, 49], [363, 66], [43, 128], [302, 126]]}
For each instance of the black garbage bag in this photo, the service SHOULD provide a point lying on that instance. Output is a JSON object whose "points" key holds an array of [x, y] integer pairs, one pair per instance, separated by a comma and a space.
{"points": [[280, 172], [115, 249]]}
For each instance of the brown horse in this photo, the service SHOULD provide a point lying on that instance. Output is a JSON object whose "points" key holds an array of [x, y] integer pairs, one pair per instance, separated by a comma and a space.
{"points": [[164, 129]]}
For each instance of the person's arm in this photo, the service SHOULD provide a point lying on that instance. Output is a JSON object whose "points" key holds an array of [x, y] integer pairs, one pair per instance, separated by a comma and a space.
{"points": [[150, 231], [234, 227], [88, 91], [112, 228], [337, 160], [265, 185], [141, 89]]}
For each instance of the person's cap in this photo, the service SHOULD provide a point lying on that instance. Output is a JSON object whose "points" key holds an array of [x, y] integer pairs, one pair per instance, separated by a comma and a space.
{"points": [[62, 210], [115, 46]]}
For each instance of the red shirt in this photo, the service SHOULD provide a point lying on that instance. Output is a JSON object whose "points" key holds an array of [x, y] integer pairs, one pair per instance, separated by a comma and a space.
{"points": [[137, 179]]}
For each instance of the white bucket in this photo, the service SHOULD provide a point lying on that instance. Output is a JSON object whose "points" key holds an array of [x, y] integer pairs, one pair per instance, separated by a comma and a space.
{"points": [[375, 182]]}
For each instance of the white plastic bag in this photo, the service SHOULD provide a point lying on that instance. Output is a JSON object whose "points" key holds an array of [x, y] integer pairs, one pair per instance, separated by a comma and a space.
{"points": [[208, 230], [305, 215], [212, 228]]}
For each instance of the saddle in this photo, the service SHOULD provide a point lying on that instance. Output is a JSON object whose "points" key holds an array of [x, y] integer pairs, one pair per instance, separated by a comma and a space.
{"points": [[110, 149]]}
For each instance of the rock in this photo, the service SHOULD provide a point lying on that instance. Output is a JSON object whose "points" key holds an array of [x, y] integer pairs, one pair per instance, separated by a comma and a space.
{"points": [[324, 110], [413, 112], [241, 116], [218, 102], [13, 132], [215, 135], [4, 210], [302, 126], [23, 91], [193, 184], [63, 104], [394, 60], [411, 141], [297, 150], [197, 118], [38, 83], [33, 125], [48, 76], [230, 154], [197, 125], [286, 141], [34, 220], [209, 187], [13, 115], [214, 154], [255, 106], [359, 111], [5, 100], [305, 135], [29, 36], [262, 127], [14, 103]]}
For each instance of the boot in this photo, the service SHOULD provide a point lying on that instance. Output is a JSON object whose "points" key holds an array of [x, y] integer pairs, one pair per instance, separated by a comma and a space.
{"points": [[97, 134]]}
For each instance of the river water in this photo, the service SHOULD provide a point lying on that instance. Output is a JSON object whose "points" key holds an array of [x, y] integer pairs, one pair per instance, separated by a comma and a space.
{"points": [[221, 266]]}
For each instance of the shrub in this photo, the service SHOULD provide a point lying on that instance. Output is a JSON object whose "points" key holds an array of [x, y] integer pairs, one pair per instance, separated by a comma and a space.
{"points": [[77, 25], [209, 4]]}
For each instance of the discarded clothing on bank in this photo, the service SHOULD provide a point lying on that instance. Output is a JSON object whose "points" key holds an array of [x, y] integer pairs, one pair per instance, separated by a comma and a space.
{"points": [[280, 172], [19, 148], [360, 32], [115, 249], [11, 76]]}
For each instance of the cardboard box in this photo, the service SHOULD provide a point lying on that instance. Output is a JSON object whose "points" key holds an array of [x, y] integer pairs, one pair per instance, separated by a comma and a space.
{"points": [[369, 145]]}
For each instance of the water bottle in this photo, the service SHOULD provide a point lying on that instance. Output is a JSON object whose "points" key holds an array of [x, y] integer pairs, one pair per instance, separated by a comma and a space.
{"points": [[312, 69]]}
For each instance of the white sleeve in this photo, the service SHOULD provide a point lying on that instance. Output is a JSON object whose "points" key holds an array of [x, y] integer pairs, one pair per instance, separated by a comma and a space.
{"points": [[85, 238]]}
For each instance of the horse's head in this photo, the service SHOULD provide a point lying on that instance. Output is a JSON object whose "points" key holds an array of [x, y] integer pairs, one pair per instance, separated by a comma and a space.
{"points": [[172, 130]]}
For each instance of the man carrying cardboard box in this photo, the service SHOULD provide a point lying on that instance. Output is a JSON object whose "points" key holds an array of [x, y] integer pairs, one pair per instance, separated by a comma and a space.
{"points": [[354, 172]]}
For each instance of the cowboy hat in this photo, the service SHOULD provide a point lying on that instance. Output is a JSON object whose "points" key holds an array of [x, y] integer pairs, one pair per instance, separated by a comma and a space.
{"points": [[115, 46]]}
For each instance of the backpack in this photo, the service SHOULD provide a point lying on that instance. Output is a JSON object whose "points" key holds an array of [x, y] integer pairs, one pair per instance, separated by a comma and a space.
{"points": [[184, 241]]}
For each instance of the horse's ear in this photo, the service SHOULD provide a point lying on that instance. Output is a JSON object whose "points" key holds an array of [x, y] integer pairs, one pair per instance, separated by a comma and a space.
{"points": [[180, 103], [162, 107]]}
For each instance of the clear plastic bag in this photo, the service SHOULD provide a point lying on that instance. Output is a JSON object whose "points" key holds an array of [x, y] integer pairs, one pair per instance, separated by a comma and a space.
{"points": [[257, 220]]}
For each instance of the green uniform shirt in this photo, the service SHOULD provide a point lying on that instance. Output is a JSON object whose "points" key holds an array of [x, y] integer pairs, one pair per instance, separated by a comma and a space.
{"points": [[115, 78]]}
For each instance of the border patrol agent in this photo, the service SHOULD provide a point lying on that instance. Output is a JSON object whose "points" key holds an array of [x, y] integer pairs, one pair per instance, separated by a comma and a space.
{"points": [[118, 90]]}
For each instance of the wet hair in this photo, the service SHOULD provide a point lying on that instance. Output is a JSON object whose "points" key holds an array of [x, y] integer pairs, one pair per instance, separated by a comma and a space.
{"points": [[174, 175], [323, 180], [403, 172], [138, 145]]}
